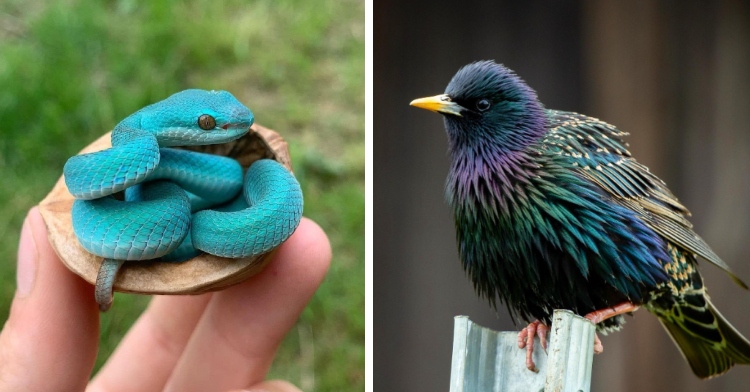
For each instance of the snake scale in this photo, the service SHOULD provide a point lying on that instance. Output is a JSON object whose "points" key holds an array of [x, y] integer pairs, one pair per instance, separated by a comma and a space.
{"points": [[178, 203]]}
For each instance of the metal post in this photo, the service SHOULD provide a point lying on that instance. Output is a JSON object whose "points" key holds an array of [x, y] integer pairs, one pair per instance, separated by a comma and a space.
{"points": [[487, 360]]}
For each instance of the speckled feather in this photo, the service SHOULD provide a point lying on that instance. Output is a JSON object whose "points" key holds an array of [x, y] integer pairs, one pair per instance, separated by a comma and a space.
{"points": [[552, 212]]}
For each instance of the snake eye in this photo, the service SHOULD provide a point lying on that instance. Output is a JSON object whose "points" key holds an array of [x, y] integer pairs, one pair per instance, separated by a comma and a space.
{"points": [[206, 122], [483, 104]]}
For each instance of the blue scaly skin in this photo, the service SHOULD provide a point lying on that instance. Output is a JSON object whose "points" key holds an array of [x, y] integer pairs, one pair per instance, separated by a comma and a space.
{"points": [[552, 212], [167, 191]]}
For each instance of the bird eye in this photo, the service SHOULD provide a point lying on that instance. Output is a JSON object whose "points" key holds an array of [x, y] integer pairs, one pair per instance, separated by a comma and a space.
{"points": [[206, 122], [483, 104]]}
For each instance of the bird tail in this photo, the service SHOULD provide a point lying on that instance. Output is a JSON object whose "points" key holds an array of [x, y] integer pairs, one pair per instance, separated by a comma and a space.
{"points": [[706, 339]]}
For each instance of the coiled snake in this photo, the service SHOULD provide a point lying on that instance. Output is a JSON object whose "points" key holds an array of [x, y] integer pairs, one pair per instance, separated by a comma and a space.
{"points": [[178, 203]]}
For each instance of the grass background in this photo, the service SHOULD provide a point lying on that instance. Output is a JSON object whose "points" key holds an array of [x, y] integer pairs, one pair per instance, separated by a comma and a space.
{"points": [[70, 71]]}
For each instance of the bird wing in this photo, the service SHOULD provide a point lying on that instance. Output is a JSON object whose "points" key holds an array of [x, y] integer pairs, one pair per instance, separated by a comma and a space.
{"points": [[597, 152]]}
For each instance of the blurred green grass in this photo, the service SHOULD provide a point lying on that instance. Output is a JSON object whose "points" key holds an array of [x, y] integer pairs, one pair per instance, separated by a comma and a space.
{"points": [[71, 70]]}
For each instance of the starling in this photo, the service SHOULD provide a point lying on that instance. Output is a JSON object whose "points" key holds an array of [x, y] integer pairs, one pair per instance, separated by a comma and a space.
{"points": [[552, 212]]}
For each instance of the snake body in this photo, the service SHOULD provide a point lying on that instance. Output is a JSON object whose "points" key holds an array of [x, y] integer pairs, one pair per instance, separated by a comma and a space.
{"points": [[168, 192]]}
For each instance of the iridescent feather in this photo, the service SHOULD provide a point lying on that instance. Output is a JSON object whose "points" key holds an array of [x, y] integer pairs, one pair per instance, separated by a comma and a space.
{"points": [[552, 212]]}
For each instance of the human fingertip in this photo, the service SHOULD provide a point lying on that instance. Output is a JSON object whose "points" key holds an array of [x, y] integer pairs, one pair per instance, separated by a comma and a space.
{"points": [[305, 257], [50, 320], [311, 241], [318, 235], [28, 257]]}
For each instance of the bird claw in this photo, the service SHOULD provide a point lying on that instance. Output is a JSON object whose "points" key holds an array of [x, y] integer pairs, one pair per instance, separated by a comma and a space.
{"points": [[526, 340], [598, 346], [600, 315]]}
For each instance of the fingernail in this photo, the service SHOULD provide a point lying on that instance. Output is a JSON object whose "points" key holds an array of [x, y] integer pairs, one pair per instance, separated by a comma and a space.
{"points": [[27, 261]]}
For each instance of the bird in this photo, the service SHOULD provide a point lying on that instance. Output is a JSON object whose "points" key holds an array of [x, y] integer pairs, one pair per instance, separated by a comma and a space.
{"points": [[552, 212]]}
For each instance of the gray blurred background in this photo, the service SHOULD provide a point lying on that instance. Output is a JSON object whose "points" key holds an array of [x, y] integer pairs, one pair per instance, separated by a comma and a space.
{"points": [[676, 75]]}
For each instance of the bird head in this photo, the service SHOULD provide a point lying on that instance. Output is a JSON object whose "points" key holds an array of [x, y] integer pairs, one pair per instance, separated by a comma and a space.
{"points": [[487, 103]]}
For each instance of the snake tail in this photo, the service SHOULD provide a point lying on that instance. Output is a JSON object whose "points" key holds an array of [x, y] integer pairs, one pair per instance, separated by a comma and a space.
{"points": [[152, 222], [105, 281]]}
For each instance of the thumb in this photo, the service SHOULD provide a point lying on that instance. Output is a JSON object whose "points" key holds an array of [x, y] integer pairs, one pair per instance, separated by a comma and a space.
{"points": [[50, 339]]}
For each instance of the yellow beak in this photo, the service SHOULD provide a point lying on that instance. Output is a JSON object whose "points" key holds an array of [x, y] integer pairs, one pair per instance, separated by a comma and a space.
{"points": [[439, 104]]}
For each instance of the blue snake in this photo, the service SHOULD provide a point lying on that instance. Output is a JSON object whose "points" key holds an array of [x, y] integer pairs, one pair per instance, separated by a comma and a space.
{"points": [[178, 203]]}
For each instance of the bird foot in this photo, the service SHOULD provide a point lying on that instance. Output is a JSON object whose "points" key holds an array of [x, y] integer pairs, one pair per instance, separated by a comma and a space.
{"points": [[526, 340], [600, 315], [598, 347], [536, 328]]}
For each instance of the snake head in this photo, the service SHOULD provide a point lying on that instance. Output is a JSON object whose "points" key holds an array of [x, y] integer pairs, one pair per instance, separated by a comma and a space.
{"points": [[194, 117]]}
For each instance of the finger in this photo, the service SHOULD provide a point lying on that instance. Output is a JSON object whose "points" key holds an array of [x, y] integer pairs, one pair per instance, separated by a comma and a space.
{"points": [[53, 320], [234, 342], [148, 353]]}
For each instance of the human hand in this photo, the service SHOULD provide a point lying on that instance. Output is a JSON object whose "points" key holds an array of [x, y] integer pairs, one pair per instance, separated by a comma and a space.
{"points": [[215, 341]]}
